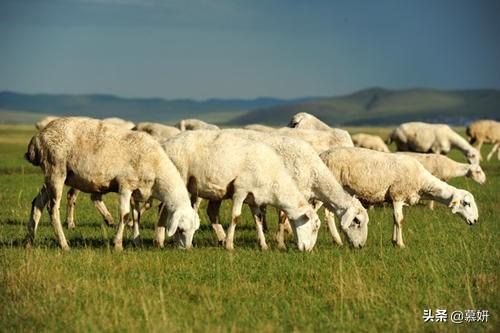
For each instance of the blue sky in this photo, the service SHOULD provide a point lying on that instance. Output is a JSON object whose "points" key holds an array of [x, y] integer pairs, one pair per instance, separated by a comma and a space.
{"points": [[209, 48]]}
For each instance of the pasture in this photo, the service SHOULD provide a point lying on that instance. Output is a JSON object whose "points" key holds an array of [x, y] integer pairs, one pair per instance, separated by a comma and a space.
{"points": [[446, 265]]}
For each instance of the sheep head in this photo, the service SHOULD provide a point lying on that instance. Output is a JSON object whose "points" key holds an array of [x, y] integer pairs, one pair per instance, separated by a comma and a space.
{"points": [[183, 223], [463, 203], [354, 224], [476, 173], [296, 119], [306, 228]]}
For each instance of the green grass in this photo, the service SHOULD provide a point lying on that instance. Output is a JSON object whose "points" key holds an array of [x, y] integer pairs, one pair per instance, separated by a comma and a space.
{"points": [[446, 264]]}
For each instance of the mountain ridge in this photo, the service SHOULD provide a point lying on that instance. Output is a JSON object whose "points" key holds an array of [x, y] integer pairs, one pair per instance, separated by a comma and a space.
{"points": [[375, 106], [380, 106]]}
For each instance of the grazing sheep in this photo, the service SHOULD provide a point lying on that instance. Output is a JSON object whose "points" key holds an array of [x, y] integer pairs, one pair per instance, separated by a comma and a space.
{"points": [[118, 122], [40, 125], [485, 131], [445, 168], [315, 182], [369, 141], [319, 140], [72, 194], [432, 138], [94, 157], [307, 121], [376, 177], [158, 131], [194, 124], [259, 128], [217, 165]]}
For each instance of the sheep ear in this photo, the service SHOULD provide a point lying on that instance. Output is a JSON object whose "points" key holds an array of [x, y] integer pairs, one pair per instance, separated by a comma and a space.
{"points": [[172, 224], [347, 218], [454, 205]]}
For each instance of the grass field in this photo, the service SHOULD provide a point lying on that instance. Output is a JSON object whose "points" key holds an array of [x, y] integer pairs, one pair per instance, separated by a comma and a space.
{"points": [[446, 264]]}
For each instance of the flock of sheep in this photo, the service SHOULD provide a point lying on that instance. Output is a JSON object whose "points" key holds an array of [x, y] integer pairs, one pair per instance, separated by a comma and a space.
{"points": [[295, 169]]}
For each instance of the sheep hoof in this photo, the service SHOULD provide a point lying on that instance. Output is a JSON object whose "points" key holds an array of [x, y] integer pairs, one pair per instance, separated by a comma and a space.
{"points": [[71, 225], [65, 248], [281, 246], [264, 247], [399, 245], [229, 247], [109, 223], [222, 243], [118, 247]]}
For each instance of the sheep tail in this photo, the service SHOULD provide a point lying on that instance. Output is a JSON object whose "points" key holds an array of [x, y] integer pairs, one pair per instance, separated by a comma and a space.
{"points": [[33, 153]]}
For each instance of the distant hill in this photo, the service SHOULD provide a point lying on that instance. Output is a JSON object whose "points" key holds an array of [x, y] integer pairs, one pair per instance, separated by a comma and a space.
{"points": [[375, 106], [136, 109], [378, 106]]}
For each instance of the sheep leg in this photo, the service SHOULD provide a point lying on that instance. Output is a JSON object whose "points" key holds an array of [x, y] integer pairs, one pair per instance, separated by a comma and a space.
{"points": [[280, 233], [160, 227], [101, 207], [431, 205], [37, 206], [286, 223], [55, 186], [213, 215], [136, 216], [330, 223], [238, 199], [397, 236], [493, 150], [257, 216], [125, 196], [70, 207]]}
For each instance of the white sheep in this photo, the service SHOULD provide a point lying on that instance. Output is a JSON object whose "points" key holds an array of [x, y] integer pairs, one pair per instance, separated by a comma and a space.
{"points": [[315, 182], [376, 177], [158, 131], [217, 165], [445, 168], [305, 120], [373, 142], [318, 139], [73, 193], [94, 157], [485, 131], [432, 138], [194, 124], [313, 131]]}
